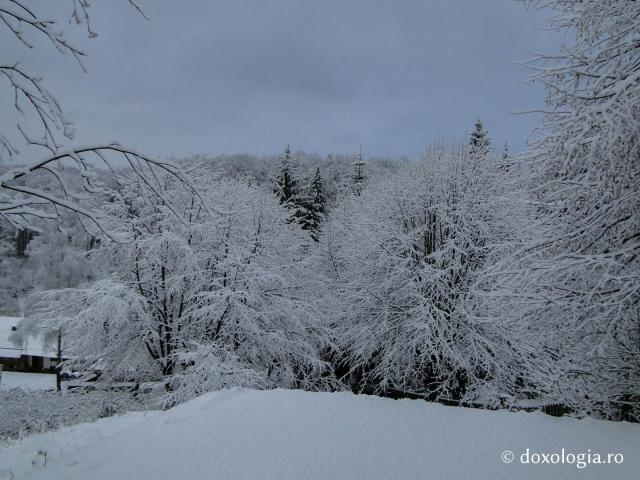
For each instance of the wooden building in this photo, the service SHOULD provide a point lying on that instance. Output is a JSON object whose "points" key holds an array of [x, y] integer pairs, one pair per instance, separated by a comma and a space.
{"points": [[29, 355]]}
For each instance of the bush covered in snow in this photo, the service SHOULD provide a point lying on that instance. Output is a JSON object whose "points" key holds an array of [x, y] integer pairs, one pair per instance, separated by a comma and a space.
{"points": [[24, 413]]}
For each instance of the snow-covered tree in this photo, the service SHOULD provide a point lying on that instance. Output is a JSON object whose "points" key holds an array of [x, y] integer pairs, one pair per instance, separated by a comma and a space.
{"points": [[581, 273], [198, 301], [358, 176], [506, 154], [314, 204], [479, 141], [405, 256], [286, 183]]}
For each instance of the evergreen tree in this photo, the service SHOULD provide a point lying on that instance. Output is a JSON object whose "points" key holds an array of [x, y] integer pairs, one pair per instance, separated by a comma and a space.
{"points": [[286, 182], [480, 142], [358, 176], [505, 151], [287, 189], [506, 161], [312, 208], [318, 194]]}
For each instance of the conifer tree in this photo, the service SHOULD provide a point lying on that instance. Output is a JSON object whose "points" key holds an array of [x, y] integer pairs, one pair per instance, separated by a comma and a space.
{"points": [[505, 151], [286, 182], [506, 161], [358, 176], [318, 194], [313, 207], [480, 142], [291, 196]]}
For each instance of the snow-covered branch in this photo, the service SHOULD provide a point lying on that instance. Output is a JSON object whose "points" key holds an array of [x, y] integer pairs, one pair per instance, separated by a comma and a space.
{"points": [[85, 161]]}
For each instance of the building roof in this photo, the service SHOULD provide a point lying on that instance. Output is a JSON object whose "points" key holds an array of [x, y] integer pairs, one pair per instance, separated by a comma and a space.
{"points": [[32, 345], [9, 349]]}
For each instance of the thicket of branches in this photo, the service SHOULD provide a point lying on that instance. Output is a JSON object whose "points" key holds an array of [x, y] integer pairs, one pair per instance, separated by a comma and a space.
{"points": [[580, 274]]}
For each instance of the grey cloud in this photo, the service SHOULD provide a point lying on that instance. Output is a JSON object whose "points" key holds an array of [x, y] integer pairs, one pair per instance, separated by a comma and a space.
{"points": [[226, 76]]}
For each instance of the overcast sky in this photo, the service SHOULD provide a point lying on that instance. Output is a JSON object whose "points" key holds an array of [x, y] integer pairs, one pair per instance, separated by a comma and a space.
{"points": [[250, 76]]}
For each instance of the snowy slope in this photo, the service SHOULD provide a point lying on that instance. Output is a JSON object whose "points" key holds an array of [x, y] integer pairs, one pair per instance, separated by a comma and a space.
{"points": [[280, 434]]}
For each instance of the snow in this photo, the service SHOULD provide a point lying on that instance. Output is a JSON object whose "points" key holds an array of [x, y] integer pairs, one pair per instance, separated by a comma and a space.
{"points": [[22, 459], [8, 349], [281, 434], [27, 381], [32, 344]]}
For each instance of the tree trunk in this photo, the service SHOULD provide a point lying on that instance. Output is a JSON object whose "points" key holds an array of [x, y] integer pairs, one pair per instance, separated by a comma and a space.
{"points": [[59, 366]]}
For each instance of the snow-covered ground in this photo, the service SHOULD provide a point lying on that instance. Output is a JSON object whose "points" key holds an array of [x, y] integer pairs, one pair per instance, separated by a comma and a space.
{"points": [[27, 381], [280, 434]]}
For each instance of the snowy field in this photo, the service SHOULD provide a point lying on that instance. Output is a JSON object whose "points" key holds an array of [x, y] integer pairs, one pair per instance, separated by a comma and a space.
{"points": [[27, 381], [281, 434]]}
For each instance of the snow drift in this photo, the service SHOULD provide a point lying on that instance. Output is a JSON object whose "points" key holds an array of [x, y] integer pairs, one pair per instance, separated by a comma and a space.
{"points": [[281, 434]]}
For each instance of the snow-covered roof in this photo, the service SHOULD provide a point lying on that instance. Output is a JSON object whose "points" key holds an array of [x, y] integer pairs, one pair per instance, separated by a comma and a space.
{"points": [[9, 349], [32, 345]]}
